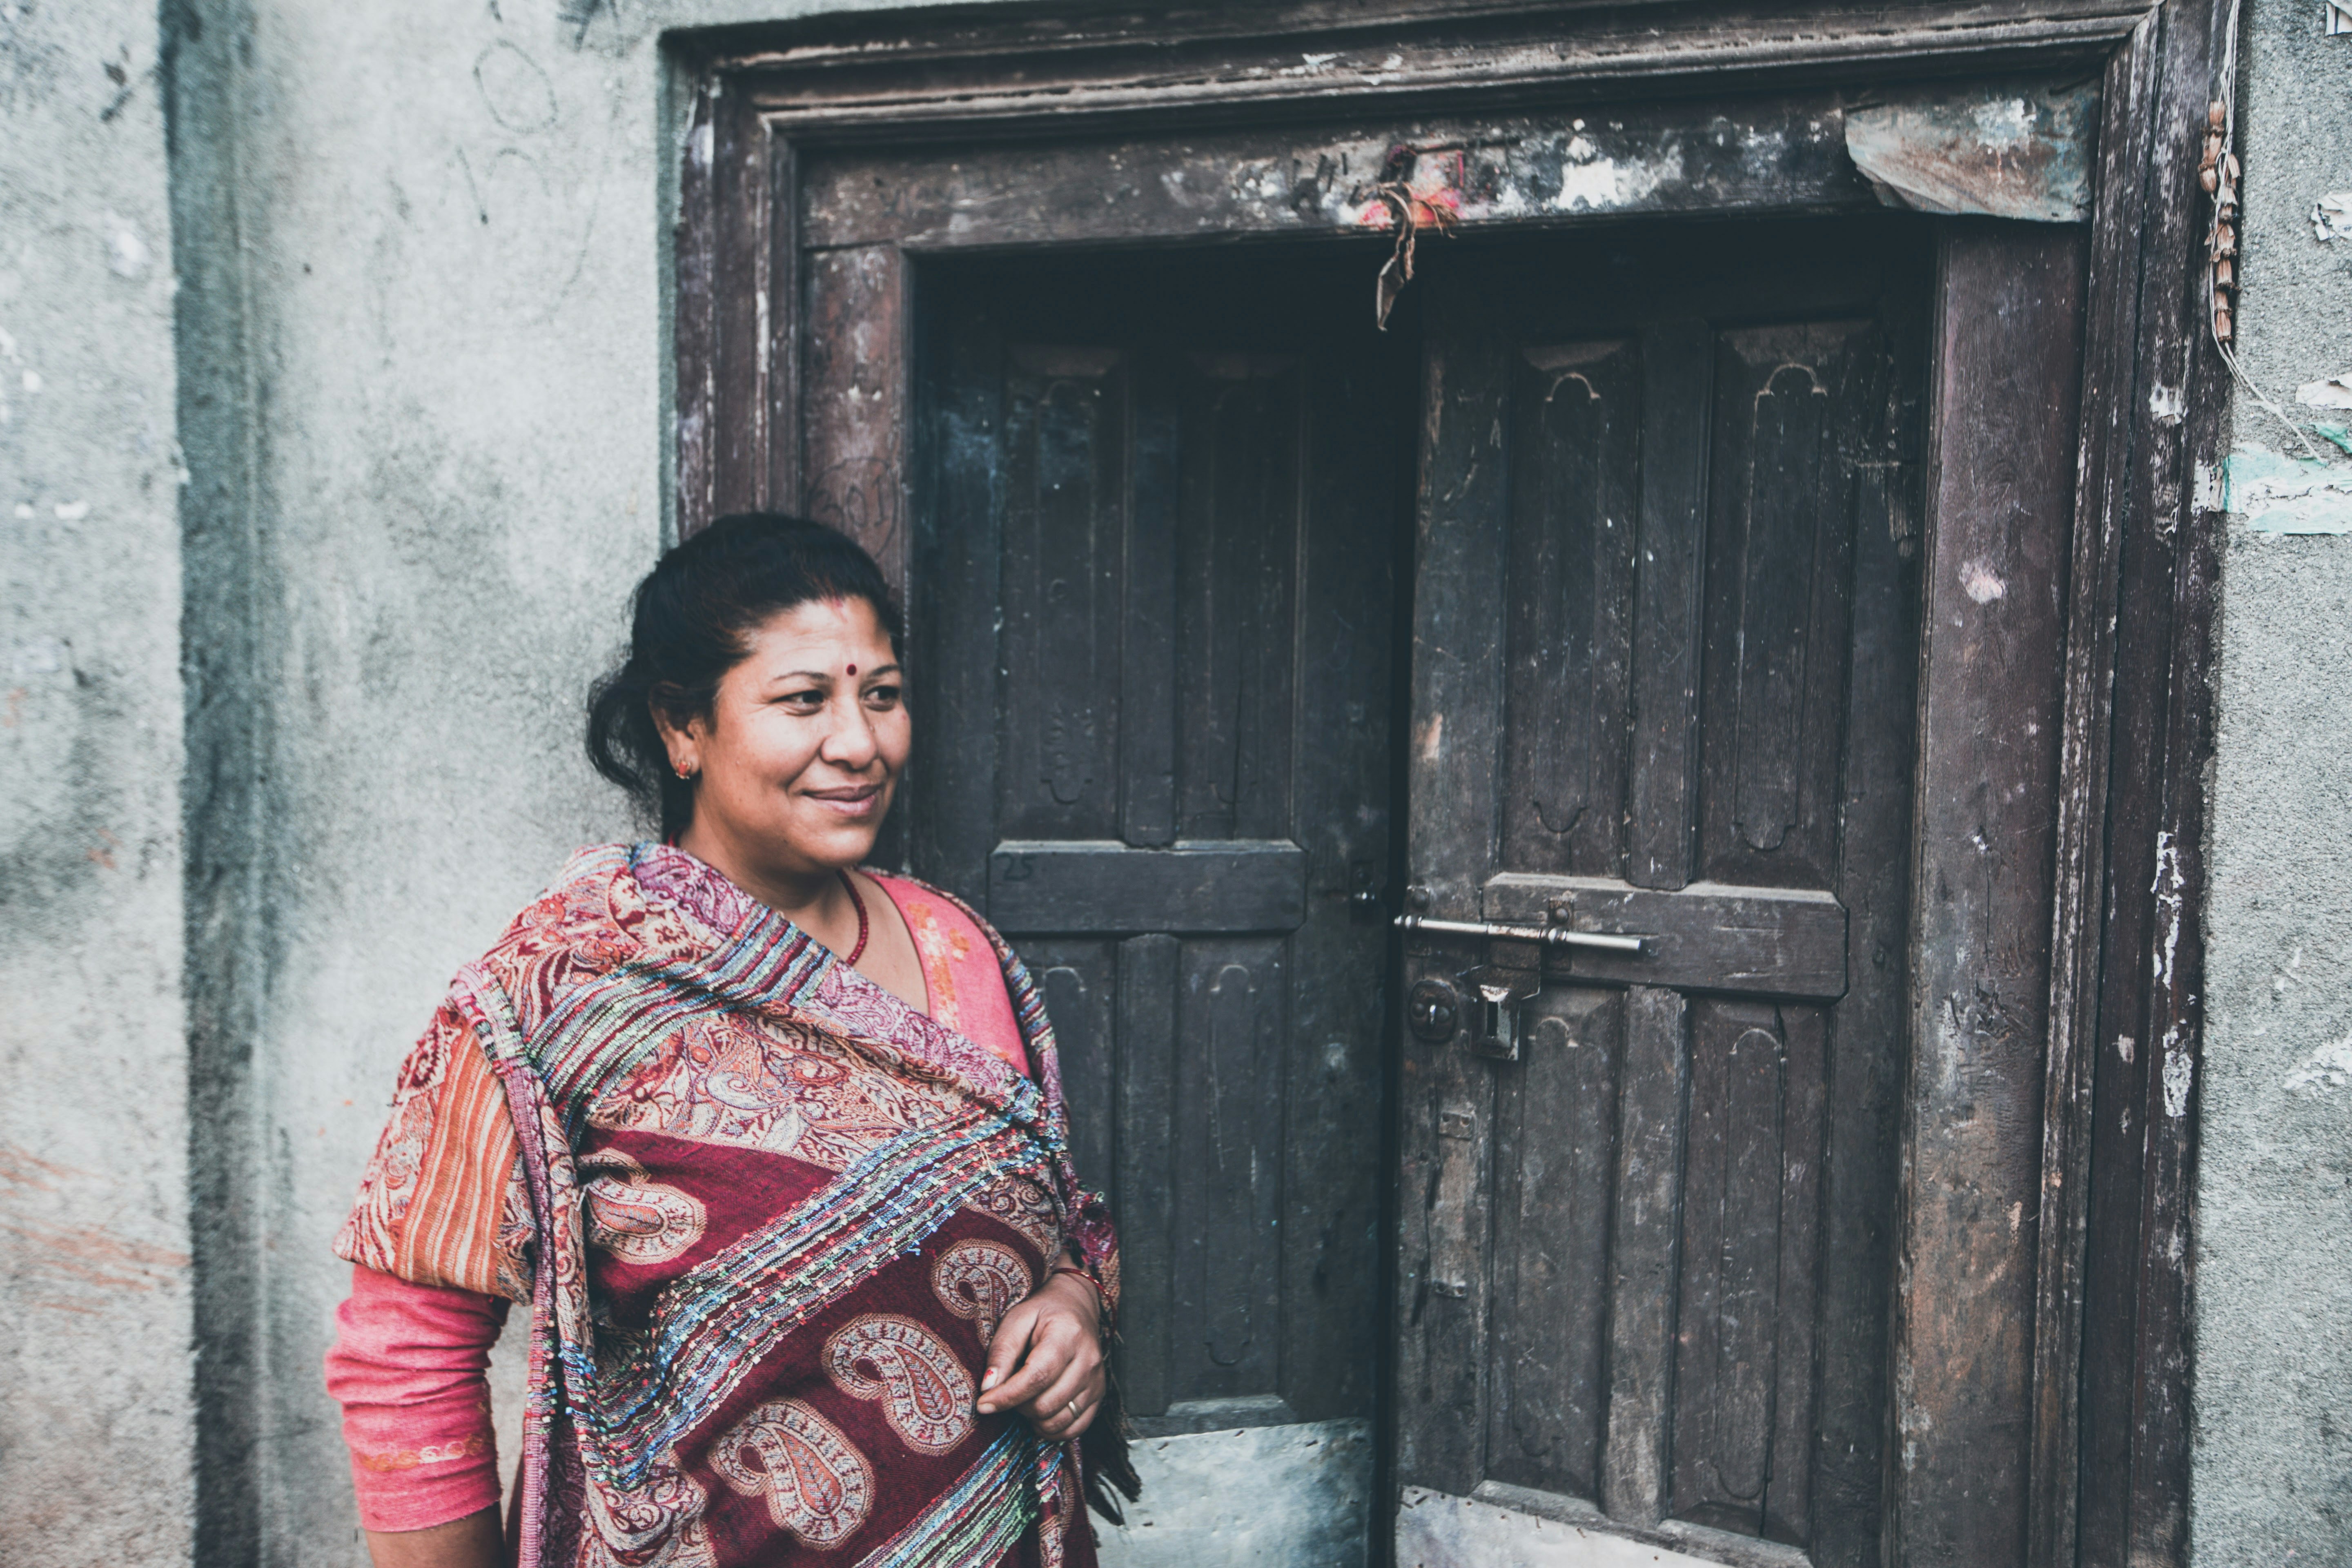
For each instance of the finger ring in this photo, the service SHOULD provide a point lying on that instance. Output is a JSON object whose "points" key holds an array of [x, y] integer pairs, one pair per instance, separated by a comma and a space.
{"points": [[1074, 1409]]}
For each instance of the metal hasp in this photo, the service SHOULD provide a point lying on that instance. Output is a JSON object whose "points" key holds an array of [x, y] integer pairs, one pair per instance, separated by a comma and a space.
{"points": [[1512, 973], [1556, 936]]}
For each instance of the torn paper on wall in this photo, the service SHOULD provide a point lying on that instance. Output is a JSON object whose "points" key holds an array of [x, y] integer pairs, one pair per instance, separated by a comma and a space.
{"points": [[2278, 494], [2021, 153], [2331, 216], [2336, 392]]}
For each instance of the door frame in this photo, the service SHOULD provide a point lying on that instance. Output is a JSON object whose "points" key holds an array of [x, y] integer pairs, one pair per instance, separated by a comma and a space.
{"points": [[790, 354]]}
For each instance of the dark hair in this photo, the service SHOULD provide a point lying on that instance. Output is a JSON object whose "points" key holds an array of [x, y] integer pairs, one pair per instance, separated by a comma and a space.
{"points": [[690, 623]]}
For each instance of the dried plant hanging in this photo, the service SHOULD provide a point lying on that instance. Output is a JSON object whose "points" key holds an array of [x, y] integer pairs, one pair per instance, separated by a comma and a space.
{"points": [[2217, 174], [1411, 214]]}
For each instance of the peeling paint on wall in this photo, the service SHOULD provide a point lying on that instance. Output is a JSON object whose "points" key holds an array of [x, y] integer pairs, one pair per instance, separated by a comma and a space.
{"points": [[2323, 1071], [2331, 216], [2332, 391], [2278, 494], [126, 252]]}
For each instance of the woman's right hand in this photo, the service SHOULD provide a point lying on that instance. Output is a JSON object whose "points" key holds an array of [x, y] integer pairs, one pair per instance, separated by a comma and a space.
{"points": [[1046, 1359]]}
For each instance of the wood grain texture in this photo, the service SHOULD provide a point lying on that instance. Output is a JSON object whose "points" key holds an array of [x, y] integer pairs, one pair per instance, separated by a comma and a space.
{"points": [[1232, 1006], [1167, 628], [853, 425], [729, 261], [1869, 1045], [1237, 548], [2172, 956], [1793, 404], [1678, 365], [1744, 1361], [1064, 497], [1447, 1096], [856, 74], [1146, 1144], [1554, 1143], [1147, 694], [2159, 1523], [958, 560], [1575, 472], [1724, 1363], [1446, 1186], [1078, 885], [1776, 153], [1459, 590], [1645, 1260], [693, 263], [2002, 469], [2082, 1420], [2112, 1474], [1080, 982], [1794, 1420], [1357, 525], [1763, 942]]}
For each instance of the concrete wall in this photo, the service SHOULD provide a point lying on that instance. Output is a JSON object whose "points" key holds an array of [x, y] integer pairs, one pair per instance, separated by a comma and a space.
{"points": [[2272, 1480], [429, 237], [94, 1389]]}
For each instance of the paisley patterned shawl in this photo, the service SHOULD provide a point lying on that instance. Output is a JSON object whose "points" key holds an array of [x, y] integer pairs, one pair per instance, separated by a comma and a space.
{"points": [[766, 1218]]}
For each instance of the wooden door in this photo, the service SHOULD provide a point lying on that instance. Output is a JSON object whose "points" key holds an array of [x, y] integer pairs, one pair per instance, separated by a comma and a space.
{"points": [[1665, 650], [1165, 507]]}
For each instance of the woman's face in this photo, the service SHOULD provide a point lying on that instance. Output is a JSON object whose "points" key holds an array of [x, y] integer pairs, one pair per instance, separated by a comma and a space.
{"points": [[804, 743]]}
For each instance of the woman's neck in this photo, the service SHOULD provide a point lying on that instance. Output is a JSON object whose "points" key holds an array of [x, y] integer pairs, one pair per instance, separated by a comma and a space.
{"points": [[811, 898]]}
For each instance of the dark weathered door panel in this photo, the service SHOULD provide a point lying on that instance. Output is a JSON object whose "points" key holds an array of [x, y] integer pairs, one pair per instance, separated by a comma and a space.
{"points": [[1162, 528], [1665, 653], [1552, 1142], [1070, 885]]}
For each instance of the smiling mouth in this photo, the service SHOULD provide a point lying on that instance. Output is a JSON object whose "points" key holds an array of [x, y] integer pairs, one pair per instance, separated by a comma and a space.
{"points": [[854, 801]]}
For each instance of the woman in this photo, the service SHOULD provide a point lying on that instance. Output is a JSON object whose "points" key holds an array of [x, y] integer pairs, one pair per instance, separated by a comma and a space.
{"points": [[772, 1148]]}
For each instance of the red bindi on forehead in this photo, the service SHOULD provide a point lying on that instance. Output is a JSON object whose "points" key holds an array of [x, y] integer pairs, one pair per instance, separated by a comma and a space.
{"points": [[853, 669]]}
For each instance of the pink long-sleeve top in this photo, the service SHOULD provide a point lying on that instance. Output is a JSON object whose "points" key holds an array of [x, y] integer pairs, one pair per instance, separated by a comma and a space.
{"points": [[410, 1364]]}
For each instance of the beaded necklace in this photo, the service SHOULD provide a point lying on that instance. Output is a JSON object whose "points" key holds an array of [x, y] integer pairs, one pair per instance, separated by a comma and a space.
{"points": [[860, 905]]}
